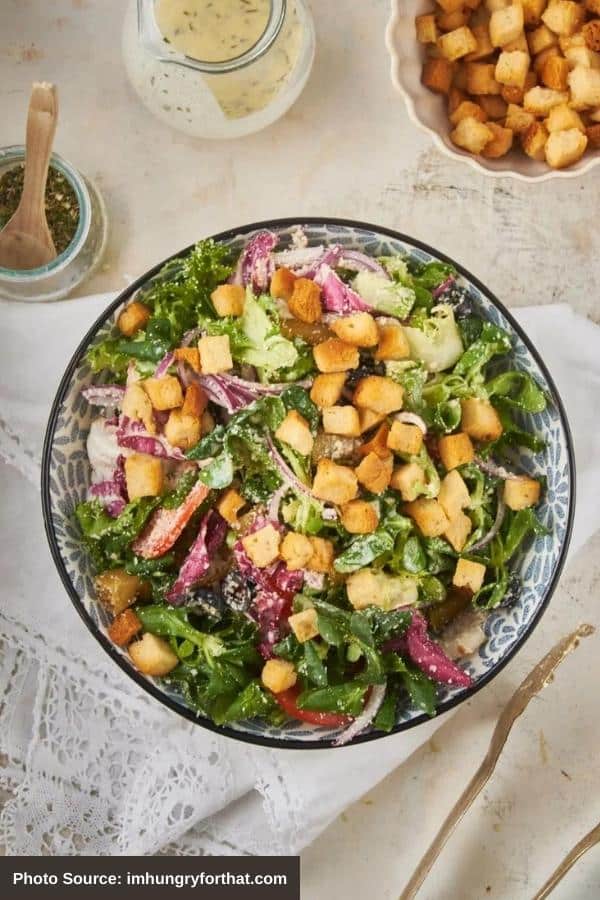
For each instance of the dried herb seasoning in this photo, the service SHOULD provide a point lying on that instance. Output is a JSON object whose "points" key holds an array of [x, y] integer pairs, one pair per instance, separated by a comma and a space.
{"points": [[62, 207]]}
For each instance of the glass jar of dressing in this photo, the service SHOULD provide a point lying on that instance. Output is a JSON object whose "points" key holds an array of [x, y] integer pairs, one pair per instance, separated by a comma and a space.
{"points": [[218, 68]]}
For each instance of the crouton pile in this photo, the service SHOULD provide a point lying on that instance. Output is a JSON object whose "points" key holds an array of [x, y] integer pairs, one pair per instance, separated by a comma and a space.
{"points": [[525, 74]]}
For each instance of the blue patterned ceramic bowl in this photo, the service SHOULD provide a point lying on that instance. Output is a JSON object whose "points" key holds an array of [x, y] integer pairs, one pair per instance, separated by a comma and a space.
{"points": [[65, 477]]}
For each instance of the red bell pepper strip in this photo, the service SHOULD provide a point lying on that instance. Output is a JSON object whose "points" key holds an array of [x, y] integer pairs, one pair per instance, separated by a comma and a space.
{"points": [[287, 701], [166, 525]]}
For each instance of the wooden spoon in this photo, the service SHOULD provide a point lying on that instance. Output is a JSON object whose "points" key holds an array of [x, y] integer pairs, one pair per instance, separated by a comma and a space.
{"points": [[25, 240]]}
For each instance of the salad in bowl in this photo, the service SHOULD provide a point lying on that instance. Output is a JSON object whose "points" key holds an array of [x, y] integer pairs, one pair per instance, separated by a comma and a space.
{"points": [[310, 481]]}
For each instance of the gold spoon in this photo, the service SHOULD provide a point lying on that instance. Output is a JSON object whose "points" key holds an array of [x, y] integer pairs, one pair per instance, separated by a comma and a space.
{"points": [[586, 843], [537, 679], [25, 240]]}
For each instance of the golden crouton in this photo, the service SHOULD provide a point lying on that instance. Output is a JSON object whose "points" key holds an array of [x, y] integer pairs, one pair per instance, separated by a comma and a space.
{"points": [[341, 420], [334, 355], [554, 72], [278, 675], [368, 418], [405, 438], [295, 431], [124, 628], [133, 318], [591, 34], [501, 142], [195, 401], [228, 299], [457, 43], [593, 6], [540, 100], [455, 98], [506, 25], [282, 284], [296, 550], [493, 5], [454, 494], [262, 546], [451, 21], [359, 517], [304, 625], [378, 443], [582, 56], [451, 5], [165, 392], [321, 559], [481, 78], [326, 390], [458, 530], [484, 46], [117, 590], [592, 133], [393, 343], [468, 574], [471, 135], [521, 492], [137, 405], [428, 515], [358, 329], [562, 118], [512, 68], [493, 105], [375, 473], [379, 393], [459, 76], [152, 655], [468, 110], [480, 420], [409, 479], [532, 11], [335, 483], [569, 41], [540, 39], [456, 450], [533, 141], [229, 505], [563, 148], [512, 95], [520, 43], [144, 475], [189, 355], [427, 32], [305, 302], [183, 430], [517, 120], [585, 87], [437, 75], [563, 16], [215, 354]]}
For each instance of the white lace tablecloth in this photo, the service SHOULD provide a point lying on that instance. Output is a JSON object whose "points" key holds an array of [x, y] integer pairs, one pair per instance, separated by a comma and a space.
{"points": [[93, 765]]}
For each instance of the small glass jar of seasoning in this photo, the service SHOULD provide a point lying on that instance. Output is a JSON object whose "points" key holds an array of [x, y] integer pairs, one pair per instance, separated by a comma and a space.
{"points": [[218, 68], [76, 217]]}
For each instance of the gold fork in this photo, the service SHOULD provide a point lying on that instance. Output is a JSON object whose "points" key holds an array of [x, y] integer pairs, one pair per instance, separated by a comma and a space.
{"points": [[537, 679]]}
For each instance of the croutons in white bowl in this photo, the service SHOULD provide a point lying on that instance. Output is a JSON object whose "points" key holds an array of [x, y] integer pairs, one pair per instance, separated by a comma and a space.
{"points": [[570, 151]]}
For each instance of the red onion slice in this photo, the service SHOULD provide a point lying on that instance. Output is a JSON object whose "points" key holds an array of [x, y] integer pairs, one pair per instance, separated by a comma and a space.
{"points": [[164, 364], [495, 470], [411, 419], [500, 513], [360, 262], [106, 396], [366, 717]]}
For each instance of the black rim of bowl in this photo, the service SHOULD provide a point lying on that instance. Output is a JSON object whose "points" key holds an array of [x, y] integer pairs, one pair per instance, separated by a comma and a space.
{"points": [[153, 689]]}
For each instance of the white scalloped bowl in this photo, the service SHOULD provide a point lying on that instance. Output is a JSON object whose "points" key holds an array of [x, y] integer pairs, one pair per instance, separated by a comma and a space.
{"points": [[428, 110]]}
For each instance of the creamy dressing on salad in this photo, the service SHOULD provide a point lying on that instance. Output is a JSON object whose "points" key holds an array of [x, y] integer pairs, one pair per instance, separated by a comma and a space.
{"points": [[212, 30]]}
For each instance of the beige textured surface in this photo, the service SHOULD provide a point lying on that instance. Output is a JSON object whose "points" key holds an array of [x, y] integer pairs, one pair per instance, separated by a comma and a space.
{"points": [[347, 149]]}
